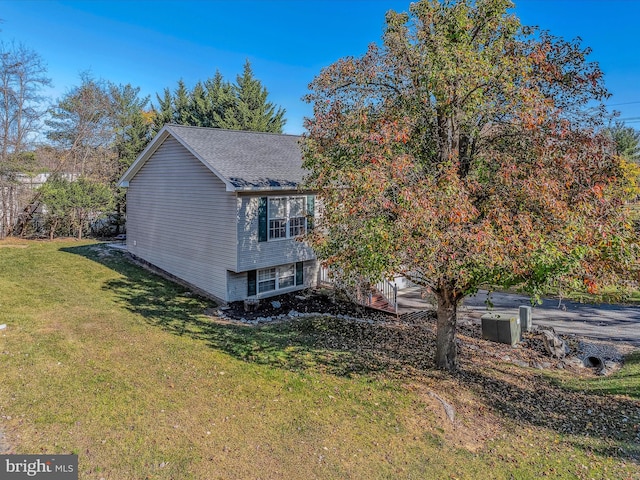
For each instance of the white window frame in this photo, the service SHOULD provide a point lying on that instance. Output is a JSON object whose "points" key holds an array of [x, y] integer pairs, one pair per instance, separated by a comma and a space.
{"points": [[276, 276], [286, 226], [265, 277]]}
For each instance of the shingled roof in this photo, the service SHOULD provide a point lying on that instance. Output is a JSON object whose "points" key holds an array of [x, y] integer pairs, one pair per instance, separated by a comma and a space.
{"points": [[243, 160]]}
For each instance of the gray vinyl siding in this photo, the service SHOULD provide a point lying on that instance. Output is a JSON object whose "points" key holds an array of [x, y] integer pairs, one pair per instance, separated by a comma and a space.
{"points": [[253, 254], [236, 286], [181, 219], [237, 283], [311, 273]]}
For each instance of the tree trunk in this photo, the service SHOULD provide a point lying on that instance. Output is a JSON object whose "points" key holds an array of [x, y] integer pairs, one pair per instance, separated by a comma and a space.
{"points": [[54, 227], [446, 354], [4, 208]]}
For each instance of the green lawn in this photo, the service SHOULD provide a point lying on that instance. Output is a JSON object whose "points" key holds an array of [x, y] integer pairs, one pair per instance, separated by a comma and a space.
{"points": [[624, 382], [103, 359]]}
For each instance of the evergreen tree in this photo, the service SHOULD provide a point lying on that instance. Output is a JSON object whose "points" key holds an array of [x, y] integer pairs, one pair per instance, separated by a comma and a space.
{"points": [[217, 103], [165, 112], [627, 141], [221, 97], [199, 107], [131, 129], [253, 111], [131, 135], [182, 104]]}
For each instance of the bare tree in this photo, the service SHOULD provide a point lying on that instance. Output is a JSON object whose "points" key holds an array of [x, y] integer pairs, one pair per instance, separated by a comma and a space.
{"points": [[22, 78], [97, 129], [80, 127]]}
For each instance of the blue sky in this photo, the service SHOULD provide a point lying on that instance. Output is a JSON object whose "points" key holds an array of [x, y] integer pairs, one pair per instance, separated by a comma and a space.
{"points": [[153, 43]]}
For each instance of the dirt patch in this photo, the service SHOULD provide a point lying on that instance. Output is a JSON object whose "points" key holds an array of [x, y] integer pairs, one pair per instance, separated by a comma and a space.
{"points": [[471, 428]]}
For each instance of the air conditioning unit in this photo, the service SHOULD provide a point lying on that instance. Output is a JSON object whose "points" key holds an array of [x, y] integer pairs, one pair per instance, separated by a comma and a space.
{"points": [[501, 328]]}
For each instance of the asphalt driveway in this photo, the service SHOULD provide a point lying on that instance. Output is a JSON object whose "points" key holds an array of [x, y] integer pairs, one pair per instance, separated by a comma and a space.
{"points": [[599, 321]]}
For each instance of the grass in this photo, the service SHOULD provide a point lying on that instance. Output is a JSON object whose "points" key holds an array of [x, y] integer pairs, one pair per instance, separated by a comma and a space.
{"points": [[624, 382], [103, 359]]}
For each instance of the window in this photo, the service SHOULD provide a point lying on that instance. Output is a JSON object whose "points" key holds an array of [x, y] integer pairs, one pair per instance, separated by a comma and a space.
{"points": [[266, 280], [276, 278], [297, 217], [286, 217], [287, 276], [277, 218]]}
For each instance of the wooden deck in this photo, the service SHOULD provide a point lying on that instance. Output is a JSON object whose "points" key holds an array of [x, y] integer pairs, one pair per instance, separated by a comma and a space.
{"points": [[409, 301]]}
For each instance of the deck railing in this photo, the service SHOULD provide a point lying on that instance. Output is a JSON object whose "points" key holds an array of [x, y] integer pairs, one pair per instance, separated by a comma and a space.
{"points": [[363, 294], [389, 291]]}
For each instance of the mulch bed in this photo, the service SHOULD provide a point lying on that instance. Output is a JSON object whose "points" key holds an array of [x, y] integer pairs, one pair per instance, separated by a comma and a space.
{"points": [[323, 301]]}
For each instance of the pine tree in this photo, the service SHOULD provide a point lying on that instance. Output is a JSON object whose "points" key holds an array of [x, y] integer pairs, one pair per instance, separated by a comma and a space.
{"points": [[181, 104], [221, 97], [131, 129], [165, 112], [627, 141], [199, 107], [217, 103], [253, 111]]}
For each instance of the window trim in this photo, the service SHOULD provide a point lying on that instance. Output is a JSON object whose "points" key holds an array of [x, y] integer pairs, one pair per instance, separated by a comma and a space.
{"points": [[287, 220], [295, 276]]}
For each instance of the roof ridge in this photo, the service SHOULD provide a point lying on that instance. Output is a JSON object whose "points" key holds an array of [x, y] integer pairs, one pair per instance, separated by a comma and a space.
{"points": [[230, 130]]}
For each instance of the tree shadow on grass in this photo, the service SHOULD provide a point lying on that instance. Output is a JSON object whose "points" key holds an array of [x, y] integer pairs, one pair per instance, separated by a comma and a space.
{"points": [[320, 343], [393, 350], [613, 421], [295, 345]]}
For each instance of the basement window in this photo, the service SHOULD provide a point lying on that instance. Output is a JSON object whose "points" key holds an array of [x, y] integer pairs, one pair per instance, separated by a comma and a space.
{"points": [[276, 278]]}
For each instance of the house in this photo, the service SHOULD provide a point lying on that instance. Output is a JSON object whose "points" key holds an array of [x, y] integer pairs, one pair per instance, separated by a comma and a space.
{"points": [[18, 200], [16, 191], [222, 211]]}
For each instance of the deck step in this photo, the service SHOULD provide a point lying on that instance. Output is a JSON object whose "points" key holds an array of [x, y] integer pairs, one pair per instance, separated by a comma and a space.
{"points": [[378, 302]]}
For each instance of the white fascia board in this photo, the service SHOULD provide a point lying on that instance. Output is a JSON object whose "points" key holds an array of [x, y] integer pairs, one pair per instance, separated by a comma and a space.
{"points": [[265, 189]]}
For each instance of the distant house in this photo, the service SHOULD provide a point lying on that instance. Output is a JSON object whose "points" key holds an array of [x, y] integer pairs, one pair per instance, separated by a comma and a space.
{"points": [[17, 191], [222, 210]]}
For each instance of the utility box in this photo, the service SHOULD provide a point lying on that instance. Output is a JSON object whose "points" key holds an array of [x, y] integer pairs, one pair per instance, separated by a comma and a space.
{"points": [[526, 323], [500, 328]]}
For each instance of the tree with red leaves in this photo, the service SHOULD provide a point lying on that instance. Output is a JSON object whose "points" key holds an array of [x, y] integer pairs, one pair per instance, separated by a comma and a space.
{"points": [[461, 153]]}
